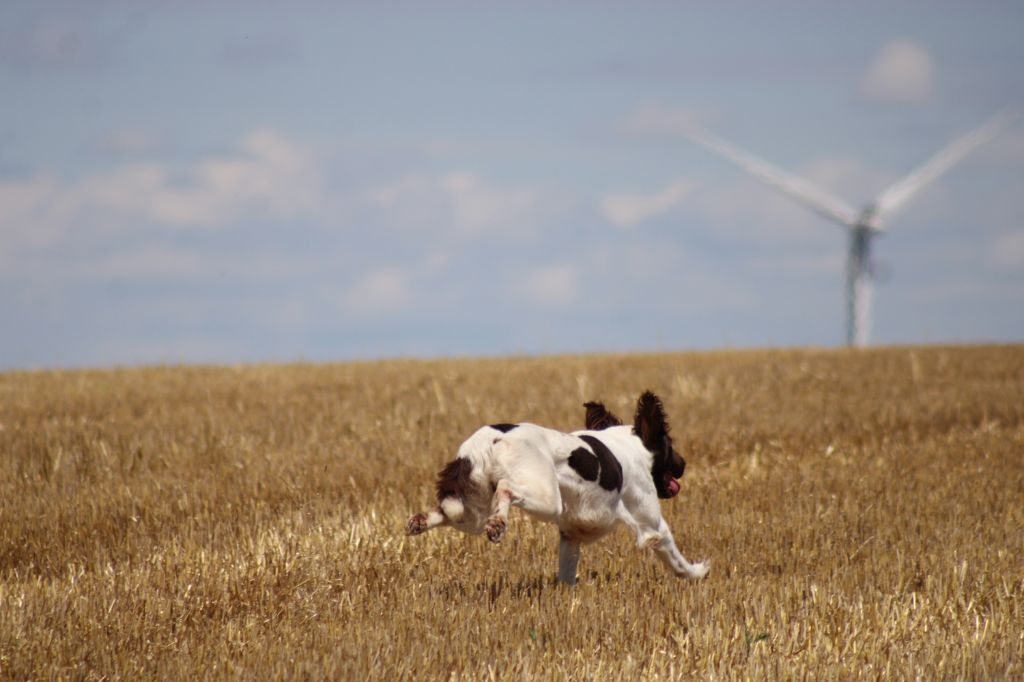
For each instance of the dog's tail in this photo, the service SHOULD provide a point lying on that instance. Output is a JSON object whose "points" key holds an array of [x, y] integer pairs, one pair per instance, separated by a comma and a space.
{"points": [[453, 486]]}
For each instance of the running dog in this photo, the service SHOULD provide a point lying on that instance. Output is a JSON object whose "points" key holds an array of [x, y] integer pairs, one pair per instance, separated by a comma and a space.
{"points": [[585, 482]]}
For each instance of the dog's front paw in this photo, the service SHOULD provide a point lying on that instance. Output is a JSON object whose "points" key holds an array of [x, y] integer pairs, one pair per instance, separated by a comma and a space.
{"points": [[417, 524], [700, 570], [495, 528]]}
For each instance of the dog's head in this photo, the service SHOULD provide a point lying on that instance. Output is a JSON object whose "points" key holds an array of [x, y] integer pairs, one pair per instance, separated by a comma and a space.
{"points": [[651, 427]]}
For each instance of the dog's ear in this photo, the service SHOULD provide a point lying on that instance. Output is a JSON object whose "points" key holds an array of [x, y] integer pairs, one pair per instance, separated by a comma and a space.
{"points": [[650, 424], [598, 417]]}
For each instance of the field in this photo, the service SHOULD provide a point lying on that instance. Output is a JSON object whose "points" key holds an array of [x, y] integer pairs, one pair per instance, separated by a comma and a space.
{"points": [[863, 512]]}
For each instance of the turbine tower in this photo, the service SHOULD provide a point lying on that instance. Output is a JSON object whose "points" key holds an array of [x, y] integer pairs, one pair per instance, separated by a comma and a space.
{"points": [[864, 225]]}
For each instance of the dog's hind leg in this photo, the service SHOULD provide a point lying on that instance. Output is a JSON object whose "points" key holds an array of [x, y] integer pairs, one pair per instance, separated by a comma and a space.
{"points": [[543, 502], [424, 521], [568, 558], [528, 481], [497, 522]]}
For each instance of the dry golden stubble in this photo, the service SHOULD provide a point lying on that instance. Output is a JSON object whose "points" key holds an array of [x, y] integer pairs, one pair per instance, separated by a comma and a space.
{"points": [[863, 512]]}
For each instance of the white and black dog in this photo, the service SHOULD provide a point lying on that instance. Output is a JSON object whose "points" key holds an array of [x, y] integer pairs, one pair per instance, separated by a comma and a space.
{"points": [[585, 482]]}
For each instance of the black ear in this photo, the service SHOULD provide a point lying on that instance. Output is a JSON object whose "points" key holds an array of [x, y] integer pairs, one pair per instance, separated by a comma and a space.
{"points": [[598, 417], [650, 424]]}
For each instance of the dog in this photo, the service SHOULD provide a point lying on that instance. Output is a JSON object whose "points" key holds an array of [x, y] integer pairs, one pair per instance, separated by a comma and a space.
{"points": [[585, 482]]}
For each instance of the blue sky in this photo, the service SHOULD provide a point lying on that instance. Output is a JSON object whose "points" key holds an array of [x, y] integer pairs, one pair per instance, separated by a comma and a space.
{"points": [[239, 182]]}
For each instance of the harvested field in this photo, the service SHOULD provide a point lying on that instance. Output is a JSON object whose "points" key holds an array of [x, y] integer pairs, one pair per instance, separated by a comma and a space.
{"points": [[863, 512]]}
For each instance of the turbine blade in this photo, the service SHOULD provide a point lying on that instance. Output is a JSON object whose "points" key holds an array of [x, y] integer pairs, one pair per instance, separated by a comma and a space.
{"points": [[899, 194], [796, 188]]}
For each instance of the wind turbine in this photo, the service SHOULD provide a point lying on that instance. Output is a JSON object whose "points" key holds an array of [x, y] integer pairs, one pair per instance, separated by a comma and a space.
{"points": [[864, 225]]}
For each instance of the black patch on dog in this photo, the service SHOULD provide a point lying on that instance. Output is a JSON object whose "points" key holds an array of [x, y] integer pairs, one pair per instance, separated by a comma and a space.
{"points": [[611, 470], [453, 481], [598, 417], [504, 428], [584, 463]]}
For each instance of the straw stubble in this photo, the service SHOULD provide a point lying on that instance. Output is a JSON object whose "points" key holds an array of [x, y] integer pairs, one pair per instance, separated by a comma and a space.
{"points": [[864, 513]]}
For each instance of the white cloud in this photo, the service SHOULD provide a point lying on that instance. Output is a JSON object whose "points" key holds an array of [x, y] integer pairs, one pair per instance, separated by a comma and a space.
{"points": [[480, 207], [553, 286], [901, 72], [462, 200], [272, 176], [628, 209], [382, 291], [269, 176]]}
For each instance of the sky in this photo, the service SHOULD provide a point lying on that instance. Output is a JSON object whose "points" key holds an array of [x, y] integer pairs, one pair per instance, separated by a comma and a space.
{"points": [[236, 182]]}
